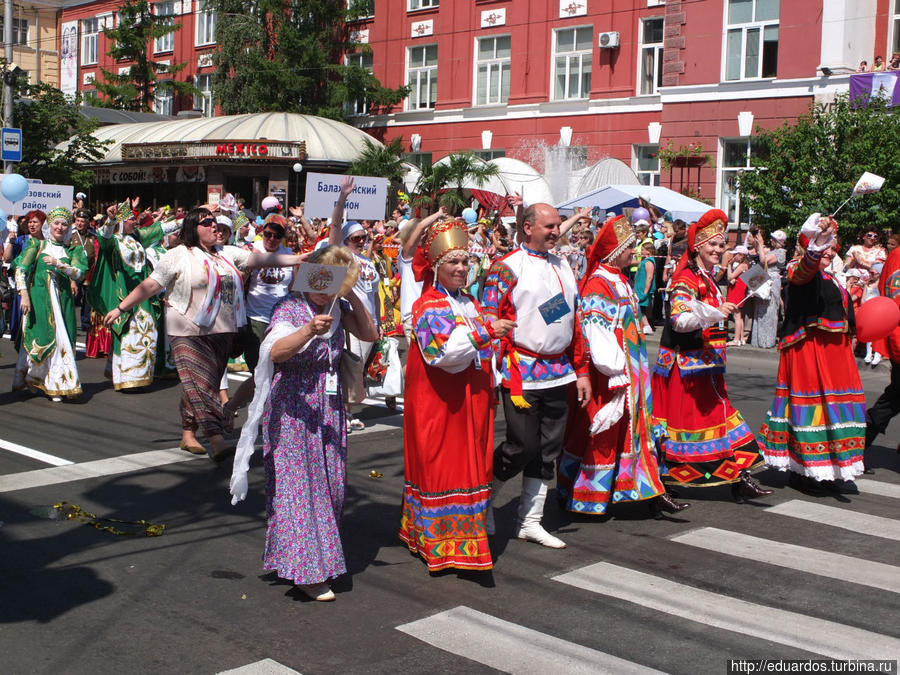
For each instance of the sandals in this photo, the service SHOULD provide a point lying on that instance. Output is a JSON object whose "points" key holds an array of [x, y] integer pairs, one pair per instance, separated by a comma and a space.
{"points": [[354, 424], [193, 449]]}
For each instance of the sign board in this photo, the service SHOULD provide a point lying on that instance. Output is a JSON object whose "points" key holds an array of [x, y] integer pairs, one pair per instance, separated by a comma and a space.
{"points": [[11, 145], [42, 196], [368, 199]]}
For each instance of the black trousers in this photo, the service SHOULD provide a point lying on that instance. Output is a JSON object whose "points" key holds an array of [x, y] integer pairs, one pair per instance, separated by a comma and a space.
{"points": [[534, 436], [886, 407]]}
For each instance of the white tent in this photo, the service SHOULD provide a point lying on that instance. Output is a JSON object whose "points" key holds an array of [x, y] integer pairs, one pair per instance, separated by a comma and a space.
{"points": [[524, 179], [616, 197]]}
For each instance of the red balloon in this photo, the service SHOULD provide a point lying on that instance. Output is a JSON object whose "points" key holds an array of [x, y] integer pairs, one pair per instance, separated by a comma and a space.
{"points": [[876, 319]]}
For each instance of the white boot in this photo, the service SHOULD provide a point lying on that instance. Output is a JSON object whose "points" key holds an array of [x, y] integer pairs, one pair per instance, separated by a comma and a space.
{"points": [[489, 526], [531, 508]]}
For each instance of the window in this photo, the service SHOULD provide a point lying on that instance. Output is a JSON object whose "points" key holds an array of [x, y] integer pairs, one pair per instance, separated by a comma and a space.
{"points": [[204, 101], [751, 39], [651, 55], [895, 29], [20, 31], [492, 60], [421, 76], [572, 56], [358, 106], [488, 155], [736, 155], [361, 9], [422, 4], [166, 12], [206, 23], [646, 164], [420, 159], [89, 31], [163, 101]]}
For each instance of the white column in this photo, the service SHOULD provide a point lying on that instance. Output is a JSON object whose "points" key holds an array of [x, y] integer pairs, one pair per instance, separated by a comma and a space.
{"points": [[848, 34]]}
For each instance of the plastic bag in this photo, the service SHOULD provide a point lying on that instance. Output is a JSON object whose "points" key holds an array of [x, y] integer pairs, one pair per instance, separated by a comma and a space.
{"points": [[392, 382]]}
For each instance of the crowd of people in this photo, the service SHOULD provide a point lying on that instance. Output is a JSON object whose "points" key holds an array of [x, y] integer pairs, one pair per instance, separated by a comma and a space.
{"points": [[878, 65], [547, 317]]}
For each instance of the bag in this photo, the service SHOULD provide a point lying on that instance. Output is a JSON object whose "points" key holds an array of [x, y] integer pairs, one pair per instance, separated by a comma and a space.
{"points": [[376, 368], [6, 291], [352, 375], [392, 382]]}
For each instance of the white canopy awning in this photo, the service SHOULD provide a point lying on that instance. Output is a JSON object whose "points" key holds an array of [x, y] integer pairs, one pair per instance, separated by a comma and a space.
{"points": [[617, 197]]}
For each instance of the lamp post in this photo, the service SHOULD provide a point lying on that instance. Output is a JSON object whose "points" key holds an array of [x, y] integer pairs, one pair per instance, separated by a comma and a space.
{"points": [[297, 169], [7, 80]]}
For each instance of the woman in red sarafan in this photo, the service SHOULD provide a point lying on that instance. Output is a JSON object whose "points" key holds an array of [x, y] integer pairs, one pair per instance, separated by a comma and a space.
{"points": [[448, 429], [708, 441]]}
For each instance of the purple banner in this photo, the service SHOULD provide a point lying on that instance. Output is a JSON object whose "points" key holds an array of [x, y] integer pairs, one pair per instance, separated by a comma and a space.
{"points": [[864, 85]]}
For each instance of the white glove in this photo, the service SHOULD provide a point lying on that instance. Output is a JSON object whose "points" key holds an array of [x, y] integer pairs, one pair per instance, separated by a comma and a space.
{"points": [[818, 241], [239, 486]]}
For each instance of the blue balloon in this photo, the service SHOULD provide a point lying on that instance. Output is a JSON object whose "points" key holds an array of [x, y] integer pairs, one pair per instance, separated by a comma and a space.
{"points": [[14, 187], [2, 217], [470, 216]]}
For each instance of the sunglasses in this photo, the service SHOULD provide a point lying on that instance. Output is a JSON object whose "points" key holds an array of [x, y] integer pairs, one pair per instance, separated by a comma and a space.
{"points": [[357, 240], [207, 222], [270, 235], [871, 235]]}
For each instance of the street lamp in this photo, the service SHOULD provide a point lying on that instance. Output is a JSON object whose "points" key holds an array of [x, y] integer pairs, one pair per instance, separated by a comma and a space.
{"points": [[297, 168]]}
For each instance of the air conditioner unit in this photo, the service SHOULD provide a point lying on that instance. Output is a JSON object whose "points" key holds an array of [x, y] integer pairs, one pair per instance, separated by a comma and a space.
{"points": [[608, 40]]}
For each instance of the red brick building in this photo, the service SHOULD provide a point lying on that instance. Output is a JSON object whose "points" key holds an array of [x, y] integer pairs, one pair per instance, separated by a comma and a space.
{"points": [[607, 78]]}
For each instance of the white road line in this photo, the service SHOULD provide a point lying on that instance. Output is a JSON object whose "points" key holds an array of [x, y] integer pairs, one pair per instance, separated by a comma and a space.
{"points": [[94, 469], [510, 647], [878, 487], [721, 611], [814, 561], [264, 667], [34, 454], [874, 526]]}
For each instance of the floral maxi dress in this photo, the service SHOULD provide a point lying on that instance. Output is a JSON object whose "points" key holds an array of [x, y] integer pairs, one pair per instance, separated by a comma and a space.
{"points": [[305, 453]]}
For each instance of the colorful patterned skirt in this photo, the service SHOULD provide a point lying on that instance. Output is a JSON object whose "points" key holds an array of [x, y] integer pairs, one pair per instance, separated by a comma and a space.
{"points": [[816, 426], [708, 441], [448, 434]]}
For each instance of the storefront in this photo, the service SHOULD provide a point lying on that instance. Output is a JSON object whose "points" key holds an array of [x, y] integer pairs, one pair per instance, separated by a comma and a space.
{"points": [[189, 162]]}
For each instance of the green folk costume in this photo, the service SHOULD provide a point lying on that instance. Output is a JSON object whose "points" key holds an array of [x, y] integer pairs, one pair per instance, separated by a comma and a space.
{"points": [[47, 354], [120, 267]]}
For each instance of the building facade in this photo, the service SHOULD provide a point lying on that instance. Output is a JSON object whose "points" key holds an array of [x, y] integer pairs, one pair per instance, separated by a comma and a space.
{"points": [[631, 79], [36, 44]]}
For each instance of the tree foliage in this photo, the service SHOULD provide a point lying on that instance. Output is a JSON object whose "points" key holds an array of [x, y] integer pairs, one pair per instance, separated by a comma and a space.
{"points": [[444, 183], [288, 56], [131, 41], [812, 165], [384, 161], [47, 118]]}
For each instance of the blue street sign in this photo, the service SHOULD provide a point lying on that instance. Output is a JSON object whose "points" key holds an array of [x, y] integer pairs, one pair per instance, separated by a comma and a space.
{"points": [[11, 145]]}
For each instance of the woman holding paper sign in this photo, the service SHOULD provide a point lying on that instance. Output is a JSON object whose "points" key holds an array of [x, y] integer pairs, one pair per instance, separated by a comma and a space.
{"points": [[817, 423], [205, 297], [299, 399]]}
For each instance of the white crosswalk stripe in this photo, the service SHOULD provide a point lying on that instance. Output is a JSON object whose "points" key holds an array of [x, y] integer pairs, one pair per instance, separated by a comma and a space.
{"points": [[875, 526], [512, 648], [800, 558], [878, 487], [811, 634]]}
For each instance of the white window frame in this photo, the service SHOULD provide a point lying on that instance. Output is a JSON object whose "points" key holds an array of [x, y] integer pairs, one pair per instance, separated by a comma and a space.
{"points": [[580, 54], [204, 24], [20, 31], [723, 172], [358, 107], [164, 102], [653, 176], [495, 69], [166, 43], [744, 28], [414, 5], [370, 15], [204, 100], [430, 72], [894, 29], [90, 42], [656, 49]]}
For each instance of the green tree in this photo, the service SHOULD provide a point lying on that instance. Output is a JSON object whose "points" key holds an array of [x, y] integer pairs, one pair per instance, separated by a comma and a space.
{"points": [[288, 56], [48, 118], [138, 27], [384, 161], [444, 182], [812, 165]]}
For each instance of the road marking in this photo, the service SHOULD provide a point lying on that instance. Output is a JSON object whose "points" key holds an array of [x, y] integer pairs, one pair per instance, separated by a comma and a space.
{"points": [[34, 454], [510, 647], [101, 467], [264, 667], [721, 611], [814, 561], [878, 487], [874, 526]]}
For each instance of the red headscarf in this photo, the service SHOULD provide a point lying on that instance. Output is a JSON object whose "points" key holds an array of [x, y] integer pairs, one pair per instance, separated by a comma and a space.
{"points": [[711, 224]]}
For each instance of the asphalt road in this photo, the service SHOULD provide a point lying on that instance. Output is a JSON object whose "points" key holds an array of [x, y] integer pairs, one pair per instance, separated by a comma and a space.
{"points": [[624, 596]]}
